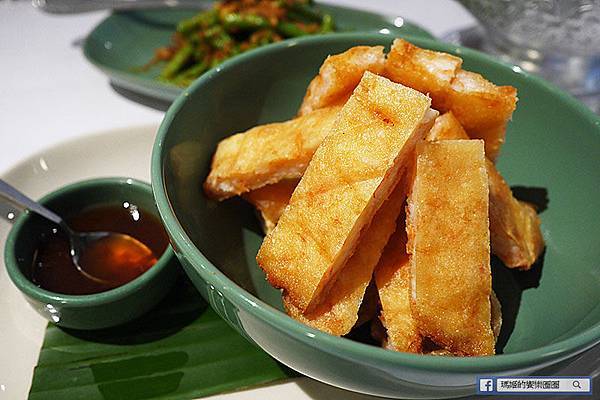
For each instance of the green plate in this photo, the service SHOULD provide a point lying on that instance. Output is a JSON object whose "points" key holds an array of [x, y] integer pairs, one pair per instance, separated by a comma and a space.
{"points": [[552, 151], [125, 41]]}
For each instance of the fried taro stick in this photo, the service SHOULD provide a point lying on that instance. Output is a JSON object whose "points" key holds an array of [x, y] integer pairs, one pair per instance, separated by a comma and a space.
{"points": [[515, 227], [339, 311], [449, 246], [392, 278], [349, 177], [271, 200], [339, 75], [482, 108], [515, 232], [267, 154]]}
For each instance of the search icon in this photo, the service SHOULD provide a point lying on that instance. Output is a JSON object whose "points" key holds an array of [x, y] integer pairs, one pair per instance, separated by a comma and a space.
{"points": [[576, 384]]}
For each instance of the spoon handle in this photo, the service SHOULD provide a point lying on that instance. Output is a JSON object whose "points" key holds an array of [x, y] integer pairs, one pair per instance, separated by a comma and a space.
{"points": [[13, 195]]}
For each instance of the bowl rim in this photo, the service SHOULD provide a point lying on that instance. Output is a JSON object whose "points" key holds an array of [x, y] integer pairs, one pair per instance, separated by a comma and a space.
{"points": [[278, 320], [28, 288]]}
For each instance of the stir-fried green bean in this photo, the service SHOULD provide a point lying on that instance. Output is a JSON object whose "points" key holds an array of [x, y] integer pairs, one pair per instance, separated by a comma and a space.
{"points": [[327, 24], [194, 71], [232, 27], [217, 37], [181, 57], [235, 22], [199, 21], [290, 30]]}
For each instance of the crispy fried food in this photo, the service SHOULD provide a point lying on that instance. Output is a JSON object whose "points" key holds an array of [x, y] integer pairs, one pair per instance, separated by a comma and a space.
{"points": [[433, 349], [482, 108], [446, 127], [339, 75], [338, 313], [515, 229], [267, 154], [349, 177], [424, 70], [515, 232], [392, 277], [271, 200], [449, 246]]}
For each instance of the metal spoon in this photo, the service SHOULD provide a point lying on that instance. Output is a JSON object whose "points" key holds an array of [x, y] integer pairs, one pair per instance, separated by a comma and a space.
{"points": [[78, 241]]}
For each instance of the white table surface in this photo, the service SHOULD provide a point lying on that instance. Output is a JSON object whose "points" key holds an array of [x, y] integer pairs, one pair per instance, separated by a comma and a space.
{"points": [[50, 93]]}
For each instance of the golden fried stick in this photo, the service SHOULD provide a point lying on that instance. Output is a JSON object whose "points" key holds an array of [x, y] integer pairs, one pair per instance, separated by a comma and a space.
{"points": [[338, 313], [338, 76], [482, 108], [449, 246], [515, 230], [271, 200], [515, 233], [351, 174], [267, 154], [424, 70], [496, 323], [446, 127], [392, 277]]}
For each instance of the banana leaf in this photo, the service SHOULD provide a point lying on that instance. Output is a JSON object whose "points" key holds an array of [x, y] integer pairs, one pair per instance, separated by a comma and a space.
{"points": [[179, 350]]}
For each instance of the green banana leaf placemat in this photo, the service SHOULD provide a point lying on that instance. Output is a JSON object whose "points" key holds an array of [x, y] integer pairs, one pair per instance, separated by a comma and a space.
{"points": [[180, 350]]}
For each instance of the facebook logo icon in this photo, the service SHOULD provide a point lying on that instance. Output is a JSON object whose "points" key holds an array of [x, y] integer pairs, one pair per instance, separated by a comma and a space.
{"points": [[486, 385]]}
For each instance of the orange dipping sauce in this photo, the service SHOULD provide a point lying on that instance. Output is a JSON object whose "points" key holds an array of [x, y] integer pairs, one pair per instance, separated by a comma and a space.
{"points": [[115, 261]]}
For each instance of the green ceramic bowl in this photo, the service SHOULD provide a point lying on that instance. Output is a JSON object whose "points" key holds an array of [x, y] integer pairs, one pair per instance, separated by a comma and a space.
{"points": [[552, 150], [94, 311]]}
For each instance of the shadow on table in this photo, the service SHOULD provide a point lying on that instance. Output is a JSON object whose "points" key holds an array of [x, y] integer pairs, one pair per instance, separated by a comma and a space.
{"points": [[148, 101], [179, 309]]}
